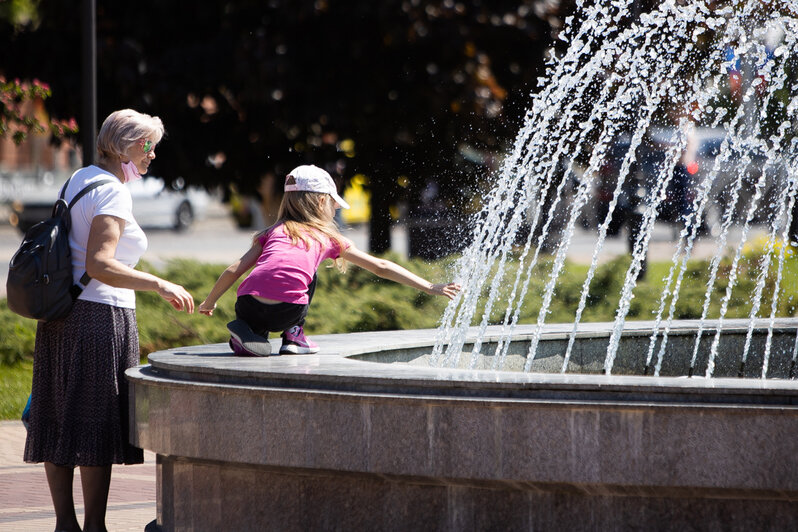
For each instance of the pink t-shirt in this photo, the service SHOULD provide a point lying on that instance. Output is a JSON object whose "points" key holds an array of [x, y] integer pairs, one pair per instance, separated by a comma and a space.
{"points": [[284, 271]]}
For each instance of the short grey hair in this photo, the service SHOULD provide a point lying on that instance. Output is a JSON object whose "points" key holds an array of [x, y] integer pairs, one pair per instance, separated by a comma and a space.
{"points": [[123, 128]]}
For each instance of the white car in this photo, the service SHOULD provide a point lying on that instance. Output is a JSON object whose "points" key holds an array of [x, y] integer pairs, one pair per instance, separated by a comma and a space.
{"points": [[175, 206], [155, 205]]}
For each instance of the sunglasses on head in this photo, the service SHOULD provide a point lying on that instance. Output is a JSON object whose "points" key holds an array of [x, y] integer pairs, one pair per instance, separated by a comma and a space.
{"points": [[146, 145]]}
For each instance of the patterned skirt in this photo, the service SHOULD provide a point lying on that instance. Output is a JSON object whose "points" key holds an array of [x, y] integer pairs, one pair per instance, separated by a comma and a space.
{"points": [[79, 404]]}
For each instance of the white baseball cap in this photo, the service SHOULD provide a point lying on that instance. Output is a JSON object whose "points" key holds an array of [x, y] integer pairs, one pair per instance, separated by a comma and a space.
{"points": [[311, 178]]}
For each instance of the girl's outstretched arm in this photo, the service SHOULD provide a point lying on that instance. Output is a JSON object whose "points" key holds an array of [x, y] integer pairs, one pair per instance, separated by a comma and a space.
{"points": [[392, 271], [230, 276]]}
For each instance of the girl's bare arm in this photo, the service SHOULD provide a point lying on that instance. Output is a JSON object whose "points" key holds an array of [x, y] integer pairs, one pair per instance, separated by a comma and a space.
{"points": [[230, 276], [392, 271]]}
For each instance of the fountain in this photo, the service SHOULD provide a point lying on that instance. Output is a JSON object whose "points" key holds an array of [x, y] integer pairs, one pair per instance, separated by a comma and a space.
{"points": [[612, 67], [662, 424]]}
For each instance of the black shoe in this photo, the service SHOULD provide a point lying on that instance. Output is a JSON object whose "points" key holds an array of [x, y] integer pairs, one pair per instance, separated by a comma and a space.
{"points": [[245, 342]]}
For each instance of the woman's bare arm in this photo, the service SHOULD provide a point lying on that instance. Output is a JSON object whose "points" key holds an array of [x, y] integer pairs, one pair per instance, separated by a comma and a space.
{"points": [[101, 264]]}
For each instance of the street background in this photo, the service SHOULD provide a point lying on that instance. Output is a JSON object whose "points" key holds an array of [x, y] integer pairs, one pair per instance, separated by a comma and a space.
{"points": [[217, 239]]}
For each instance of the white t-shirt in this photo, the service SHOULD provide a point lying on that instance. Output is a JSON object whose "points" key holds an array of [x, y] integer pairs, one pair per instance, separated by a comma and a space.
{"points": [[112, 199]]}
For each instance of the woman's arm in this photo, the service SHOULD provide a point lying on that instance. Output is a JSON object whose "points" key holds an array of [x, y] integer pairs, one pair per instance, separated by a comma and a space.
{"points": [[229, 276], [101, 264], [392, 271]]}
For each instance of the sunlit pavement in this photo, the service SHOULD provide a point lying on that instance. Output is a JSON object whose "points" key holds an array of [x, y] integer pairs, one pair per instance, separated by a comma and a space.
{"points": [[25, 503], [217, 240]]}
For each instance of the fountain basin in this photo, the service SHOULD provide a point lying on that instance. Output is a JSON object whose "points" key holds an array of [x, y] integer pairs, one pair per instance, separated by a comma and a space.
{"points": [[340, 440]]}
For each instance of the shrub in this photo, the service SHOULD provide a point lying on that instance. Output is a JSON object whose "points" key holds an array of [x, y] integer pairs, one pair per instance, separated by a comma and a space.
{"points": [[359, 301], [18, 336], [14, 388]]}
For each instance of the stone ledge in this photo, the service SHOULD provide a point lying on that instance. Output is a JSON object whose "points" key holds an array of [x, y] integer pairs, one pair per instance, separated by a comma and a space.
{"points": [[232, 432]]}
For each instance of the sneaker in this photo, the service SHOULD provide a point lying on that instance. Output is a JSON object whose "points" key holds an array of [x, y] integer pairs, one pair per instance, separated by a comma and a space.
{"points": [[295, 342], [239, 349], [244, 342]]}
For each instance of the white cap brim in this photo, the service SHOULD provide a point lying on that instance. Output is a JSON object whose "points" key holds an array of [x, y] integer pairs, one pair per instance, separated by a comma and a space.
{"points": [[339, 200], [311, 178]]}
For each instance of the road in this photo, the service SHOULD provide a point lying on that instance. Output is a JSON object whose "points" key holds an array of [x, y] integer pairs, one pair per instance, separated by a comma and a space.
{"points": [[216, 239]]}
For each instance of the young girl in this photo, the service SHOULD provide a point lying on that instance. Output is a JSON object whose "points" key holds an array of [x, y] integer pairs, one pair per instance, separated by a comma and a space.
{"points": [[276, 295]]}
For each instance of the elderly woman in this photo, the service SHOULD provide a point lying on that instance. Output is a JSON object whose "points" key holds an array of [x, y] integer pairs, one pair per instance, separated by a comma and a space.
{"points": [[79, 410]]}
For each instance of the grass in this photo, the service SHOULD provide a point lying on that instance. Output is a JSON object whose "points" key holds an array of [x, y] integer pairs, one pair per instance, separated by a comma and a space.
{"points": [[359, 301], [14, 388]]}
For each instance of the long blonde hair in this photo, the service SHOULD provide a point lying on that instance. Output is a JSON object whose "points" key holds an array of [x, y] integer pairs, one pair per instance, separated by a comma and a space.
{"points": [[304, 219]]}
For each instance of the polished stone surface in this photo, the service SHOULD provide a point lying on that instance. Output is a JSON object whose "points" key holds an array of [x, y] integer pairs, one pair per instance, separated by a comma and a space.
{"points": [[335, 441]]}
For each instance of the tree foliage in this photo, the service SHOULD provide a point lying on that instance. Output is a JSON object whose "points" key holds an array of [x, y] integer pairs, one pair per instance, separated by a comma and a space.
{"points": [[21, 112], [401, 91], [21, 102]]}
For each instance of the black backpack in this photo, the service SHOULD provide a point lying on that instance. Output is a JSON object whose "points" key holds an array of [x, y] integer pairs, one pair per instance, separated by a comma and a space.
{"points": [[39, 284]]}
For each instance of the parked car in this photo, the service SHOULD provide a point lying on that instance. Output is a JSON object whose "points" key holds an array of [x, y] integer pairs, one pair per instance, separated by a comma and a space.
{"points": [[155, 205], [176, 206], [740, 168], [688, 174]]}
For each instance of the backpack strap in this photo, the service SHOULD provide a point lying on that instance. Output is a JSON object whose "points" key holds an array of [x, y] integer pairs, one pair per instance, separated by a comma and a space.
{"points": [[63, 188], [78, 287], [85, 278], [83, 192]]}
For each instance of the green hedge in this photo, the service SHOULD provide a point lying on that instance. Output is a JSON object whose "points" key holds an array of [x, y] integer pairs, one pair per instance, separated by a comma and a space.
{"points": [[353, 301], [359, 301], [15, 381]]}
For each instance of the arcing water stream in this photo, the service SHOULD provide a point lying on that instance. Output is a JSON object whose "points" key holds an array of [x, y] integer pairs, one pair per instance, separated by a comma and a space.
{"points": [[676, 73]]}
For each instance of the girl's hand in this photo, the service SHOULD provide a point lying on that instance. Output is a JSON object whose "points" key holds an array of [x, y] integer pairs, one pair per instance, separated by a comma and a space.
{"points": [[206, 308], [176, 295], [449, 290]]}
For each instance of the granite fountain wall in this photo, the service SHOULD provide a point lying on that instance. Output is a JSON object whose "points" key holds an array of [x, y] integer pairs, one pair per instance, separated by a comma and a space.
{"points": [[367, 436]]}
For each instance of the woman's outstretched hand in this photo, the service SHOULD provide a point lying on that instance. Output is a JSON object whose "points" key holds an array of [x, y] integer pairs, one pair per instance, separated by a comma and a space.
{"points": [[177, 296], [448, 289]]}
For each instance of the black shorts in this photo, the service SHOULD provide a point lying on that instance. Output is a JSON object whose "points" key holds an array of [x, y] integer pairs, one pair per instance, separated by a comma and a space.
{"points": [[264, 318]]}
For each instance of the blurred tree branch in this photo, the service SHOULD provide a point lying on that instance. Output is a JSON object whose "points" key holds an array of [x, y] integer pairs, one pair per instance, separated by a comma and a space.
{"points": [[21, 102], [21, 113]]}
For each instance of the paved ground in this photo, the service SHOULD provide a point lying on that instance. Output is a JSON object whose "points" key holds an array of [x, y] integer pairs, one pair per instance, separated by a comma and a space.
{"points": [[25, 504], [215, 239]]}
